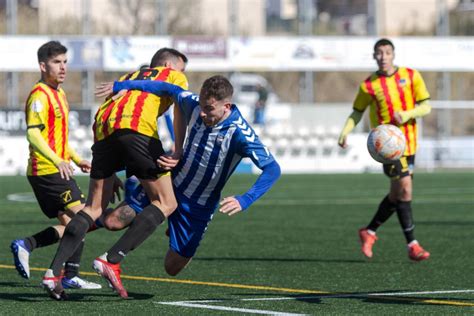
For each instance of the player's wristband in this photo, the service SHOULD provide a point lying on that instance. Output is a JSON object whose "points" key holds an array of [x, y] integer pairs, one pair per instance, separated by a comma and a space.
{"points": [[244, 201]]}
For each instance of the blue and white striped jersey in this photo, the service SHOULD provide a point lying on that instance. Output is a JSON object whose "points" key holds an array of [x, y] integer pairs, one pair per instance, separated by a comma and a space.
{"points": [[211, 154]]}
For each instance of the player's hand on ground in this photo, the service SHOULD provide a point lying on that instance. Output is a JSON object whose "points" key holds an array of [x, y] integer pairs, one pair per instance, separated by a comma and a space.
{"points": [[65, 170], [85, 166], [230, 206], [168, 162], [117, 186]]}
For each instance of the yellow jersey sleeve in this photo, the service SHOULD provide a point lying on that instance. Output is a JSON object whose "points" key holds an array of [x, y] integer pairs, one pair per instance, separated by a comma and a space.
{"points": [[419, 87], [36, 110], [362, 100]]}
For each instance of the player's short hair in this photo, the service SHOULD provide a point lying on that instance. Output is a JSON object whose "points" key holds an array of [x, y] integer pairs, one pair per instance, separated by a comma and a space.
{"points": [[49, 50], [218, 87], [165, 54], [383, 42]]}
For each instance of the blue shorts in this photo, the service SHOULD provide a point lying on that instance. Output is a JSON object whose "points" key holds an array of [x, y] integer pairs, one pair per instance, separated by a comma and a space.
{"points": [[185, 232], [186, 228], [135, 195]]}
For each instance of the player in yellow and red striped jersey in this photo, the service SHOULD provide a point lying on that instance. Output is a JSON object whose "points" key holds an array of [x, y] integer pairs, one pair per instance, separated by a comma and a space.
{"points": [[395, 95], [137, 110], [49, 165], [126, 137]]}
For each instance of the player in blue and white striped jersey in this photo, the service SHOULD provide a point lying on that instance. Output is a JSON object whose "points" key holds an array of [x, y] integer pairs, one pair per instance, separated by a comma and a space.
{"points": [[218, 137]]}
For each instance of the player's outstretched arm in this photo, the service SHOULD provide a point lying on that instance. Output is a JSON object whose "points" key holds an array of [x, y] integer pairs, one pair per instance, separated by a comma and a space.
{"points": [[234, 204], [351, 122], [159, 88]]}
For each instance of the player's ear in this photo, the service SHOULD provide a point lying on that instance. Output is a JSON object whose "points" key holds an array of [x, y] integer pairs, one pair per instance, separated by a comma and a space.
{"points": [[228, 104], [42, 65]]}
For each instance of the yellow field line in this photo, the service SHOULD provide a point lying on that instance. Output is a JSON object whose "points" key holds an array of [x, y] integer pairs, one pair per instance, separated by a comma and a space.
{"points": [[268, 288]]}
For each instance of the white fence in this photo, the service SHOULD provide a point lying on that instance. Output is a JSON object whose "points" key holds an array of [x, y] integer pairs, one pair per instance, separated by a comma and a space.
{"points": [[302, 138]]}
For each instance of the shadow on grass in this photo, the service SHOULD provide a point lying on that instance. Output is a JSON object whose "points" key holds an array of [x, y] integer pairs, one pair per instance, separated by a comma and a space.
{"points": [[446, 223], [22, 284], [74, 296], [371, 298], [278, 259]]}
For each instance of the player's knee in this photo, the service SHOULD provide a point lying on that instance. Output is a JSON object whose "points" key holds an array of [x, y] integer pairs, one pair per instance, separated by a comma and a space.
{"points": [[168, 207], [111, 223], [60, 229], [175, 263], [94, 213], [172, 270], [119, 219], [171, 207], [405, 195], [79, 225]]}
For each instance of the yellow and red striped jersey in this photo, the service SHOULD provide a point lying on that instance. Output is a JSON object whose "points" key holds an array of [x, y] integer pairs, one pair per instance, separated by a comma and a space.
{"points": [[387, 95], [137, 110], [47, 109]]}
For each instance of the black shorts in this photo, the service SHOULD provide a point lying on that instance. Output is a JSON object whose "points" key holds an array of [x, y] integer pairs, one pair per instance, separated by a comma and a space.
{"points": [[401, 168], [129, 150], [55, 194]]}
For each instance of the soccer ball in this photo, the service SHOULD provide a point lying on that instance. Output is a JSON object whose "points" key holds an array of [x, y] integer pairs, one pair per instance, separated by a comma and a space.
{"points": [[386, 143]]}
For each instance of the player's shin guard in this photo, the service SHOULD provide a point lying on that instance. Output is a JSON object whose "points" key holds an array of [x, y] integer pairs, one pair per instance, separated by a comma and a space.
{"points": [[44, 238], [72, 238], [405, 218], [71, 268], [385, 210], [141, 228]]}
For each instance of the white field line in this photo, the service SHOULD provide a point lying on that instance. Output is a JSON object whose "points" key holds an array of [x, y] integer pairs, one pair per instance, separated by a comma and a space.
{"points": [[226, 308], [204, 303], [354, 295]]}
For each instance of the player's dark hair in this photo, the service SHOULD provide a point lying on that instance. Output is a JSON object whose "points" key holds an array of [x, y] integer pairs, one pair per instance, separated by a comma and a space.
{"points": [[49, 50], [218, 87], [165, 54], [383, 42]]}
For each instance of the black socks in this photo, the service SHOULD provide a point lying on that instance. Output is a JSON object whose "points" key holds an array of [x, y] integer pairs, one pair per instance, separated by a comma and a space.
{"points": [[73, 236], [71, 268], [385, 210], [141, 228], [405, 217], [44, 238]]}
